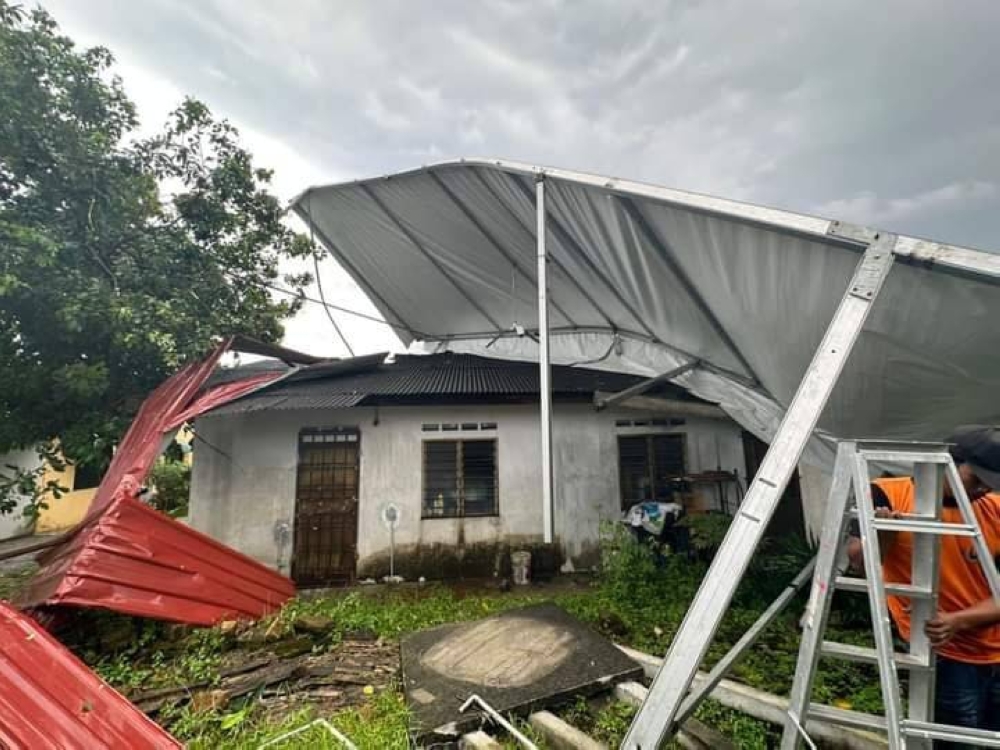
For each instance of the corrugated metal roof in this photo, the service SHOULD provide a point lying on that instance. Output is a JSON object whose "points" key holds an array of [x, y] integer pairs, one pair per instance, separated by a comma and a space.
{"points": [[130, 558], [50, 699], [446, 375]]}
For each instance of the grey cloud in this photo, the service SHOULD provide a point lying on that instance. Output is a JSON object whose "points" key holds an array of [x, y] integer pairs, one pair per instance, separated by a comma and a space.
{"points": [[881, 112]]}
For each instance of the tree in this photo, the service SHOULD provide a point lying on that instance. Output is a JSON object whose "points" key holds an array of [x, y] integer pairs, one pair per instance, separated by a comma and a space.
{"points": [[120, 258]]}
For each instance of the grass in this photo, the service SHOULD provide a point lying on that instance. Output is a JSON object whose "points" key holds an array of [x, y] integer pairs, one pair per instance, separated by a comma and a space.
{"points": [[13, 580], [638, 599]]}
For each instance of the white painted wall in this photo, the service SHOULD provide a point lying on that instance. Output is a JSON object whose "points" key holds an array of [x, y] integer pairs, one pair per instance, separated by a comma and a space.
{"points": [[243, 479], [15, 523]]}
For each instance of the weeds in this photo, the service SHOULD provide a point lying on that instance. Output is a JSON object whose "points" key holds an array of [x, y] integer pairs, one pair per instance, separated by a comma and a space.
{"points": [[640, 598]]}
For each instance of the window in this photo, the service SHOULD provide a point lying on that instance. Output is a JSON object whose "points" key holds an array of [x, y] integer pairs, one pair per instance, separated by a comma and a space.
{"points": [[464, 427], [648, 466], [460, 478]]}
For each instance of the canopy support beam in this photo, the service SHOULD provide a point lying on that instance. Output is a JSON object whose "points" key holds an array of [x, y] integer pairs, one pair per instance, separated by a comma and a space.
{"points": [[735, 377], [545, 370], [657, 718], [491, 238], [638, 389], [552, 257], [660, 245], [567, 239], [423, 251]]}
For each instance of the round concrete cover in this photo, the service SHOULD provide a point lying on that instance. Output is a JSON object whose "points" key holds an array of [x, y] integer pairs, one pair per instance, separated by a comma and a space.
{"points": [[503, 652]]}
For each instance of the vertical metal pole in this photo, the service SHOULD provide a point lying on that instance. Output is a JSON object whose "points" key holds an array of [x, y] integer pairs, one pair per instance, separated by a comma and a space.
{"points": [[828, 563], [928, 479], [392, 552], [543, 362], [656, 718]]}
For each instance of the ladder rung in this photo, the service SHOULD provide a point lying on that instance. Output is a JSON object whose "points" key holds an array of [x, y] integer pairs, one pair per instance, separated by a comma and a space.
{"points": [[931, 731], [849, 652], [860, 586], [846, 718], [924, 526], [907, 457]]}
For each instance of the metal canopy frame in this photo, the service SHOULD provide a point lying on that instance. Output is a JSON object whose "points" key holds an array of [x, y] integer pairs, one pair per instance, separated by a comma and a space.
{"points": [[657, 718], [639, 388], [669, 699]]}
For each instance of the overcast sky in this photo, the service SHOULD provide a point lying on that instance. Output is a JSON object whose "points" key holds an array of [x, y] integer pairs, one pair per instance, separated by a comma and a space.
{"points": [[885, 113]]}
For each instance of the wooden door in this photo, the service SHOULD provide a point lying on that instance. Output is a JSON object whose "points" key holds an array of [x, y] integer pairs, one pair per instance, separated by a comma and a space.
{"points": [[326, 507]]}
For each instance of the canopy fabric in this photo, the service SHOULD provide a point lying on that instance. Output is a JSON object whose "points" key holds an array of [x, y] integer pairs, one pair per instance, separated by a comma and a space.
{"points": [[643, 278]]}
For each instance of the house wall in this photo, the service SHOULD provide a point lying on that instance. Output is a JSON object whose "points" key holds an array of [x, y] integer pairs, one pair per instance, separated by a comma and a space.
{"points": [[243, 481], [15, 523]]}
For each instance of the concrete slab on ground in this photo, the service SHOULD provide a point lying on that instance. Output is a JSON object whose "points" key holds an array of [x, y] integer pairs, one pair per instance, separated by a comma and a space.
{"points": [[517, 661]]}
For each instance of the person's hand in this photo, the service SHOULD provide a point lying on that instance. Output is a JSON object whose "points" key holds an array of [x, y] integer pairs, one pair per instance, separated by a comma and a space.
{"points": [[887, 513], [944, 627]]}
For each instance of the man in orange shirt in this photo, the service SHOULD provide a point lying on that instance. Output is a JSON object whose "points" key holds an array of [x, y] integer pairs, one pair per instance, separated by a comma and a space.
{"points": [[966, 631]]}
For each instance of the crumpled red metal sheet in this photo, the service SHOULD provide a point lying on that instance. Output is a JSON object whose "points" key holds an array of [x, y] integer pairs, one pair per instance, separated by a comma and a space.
{"points": [[50, 699], [130, 558]]}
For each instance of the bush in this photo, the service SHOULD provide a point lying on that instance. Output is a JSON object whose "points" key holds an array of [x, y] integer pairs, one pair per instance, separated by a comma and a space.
{"points": [[172, 480]]}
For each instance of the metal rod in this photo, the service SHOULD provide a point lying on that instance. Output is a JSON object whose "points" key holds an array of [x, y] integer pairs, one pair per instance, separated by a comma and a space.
{"points": [[744, 643], [491, 238], [544, 367], [565, 238], [552, 256], [818, 607], [336, 733], [661, 246], [656, 718], [430, 258], [495, 715], [625, 334], [639, 388], [881, 623], [392, 552]]}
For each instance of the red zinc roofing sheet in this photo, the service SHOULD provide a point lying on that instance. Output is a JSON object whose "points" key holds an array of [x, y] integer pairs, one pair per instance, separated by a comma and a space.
{"points": [[127, 557], [49, 699]]}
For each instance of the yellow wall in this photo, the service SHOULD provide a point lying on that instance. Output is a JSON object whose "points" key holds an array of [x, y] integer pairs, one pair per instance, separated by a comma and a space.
{"points": [[71, 507], [66, 512], [68, 509]]}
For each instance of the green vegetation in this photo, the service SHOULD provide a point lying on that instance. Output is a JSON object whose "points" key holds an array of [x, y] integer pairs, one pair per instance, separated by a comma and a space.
{"points": [[172, 480], [638, 598], [122, 257]]}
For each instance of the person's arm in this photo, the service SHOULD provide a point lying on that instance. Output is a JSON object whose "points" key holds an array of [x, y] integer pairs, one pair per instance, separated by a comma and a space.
{"points": [[883, 509], [947, 625]]}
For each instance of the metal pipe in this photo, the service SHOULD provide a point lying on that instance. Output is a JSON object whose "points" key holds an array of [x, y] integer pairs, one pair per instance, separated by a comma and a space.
{"points": [[639, 388], [556, 263], [491, 238], [495, 715], [544, 368], [577, 252]]}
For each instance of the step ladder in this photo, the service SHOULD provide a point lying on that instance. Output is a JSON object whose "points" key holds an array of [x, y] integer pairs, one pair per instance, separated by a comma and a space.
{"points": [[931, 466]]}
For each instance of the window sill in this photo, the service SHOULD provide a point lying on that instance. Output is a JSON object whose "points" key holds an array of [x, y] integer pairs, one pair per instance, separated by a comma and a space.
{"points": [[454, 516]]}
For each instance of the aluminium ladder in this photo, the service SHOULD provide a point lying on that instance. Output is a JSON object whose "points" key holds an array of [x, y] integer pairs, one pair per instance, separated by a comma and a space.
{"points": [[932, 465]]}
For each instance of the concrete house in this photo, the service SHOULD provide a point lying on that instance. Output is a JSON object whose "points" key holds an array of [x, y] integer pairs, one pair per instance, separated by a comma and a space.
{"points": [[298, 475]]}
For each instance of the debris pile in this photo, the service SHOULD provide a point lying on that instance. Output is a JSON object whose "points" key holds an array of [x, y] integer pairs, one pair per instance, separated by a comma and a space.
{"points": [[287, 665]]}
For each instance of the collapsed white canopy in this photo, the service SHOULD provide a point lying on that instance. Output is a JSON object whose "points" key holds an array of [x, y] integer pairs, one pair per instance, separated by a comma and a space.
{"points": [[644, 278]]}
